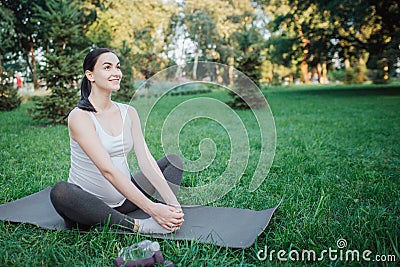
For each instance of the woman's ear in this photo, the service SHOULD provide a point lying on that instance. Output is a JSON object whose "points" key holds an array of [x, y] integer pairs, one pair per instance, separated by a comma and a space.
{"points": [[89, 75]]}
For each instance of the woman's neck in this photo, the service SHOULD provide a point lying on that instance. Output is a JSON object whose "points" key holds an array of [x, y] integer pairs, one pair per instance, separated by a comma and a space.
{"points": [[101, 101]]}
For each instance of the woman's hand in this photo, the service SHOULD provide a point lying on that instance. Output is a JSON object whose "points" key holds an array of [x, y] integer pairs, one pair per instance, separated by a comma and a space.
{"points": [[168, 217], [178, 209]]}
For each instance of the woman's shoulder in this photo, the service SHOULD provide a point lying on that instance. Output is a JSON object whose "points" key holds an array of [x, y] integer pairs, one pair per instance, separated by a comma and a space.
{"points": [[78, 116], [132, 113], [131, 110], [78, 113]]}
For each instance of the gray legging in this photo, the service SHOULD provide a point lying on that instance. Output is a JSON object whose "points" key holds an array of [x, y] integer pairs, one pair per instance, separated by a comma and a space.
{"points": [[84, 210]]}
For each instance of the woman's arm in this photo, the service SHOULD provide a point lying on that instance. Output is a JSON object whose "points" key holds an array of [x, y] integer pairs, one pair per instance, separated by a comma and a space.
{"points": [[82, 130], [147, 163]]}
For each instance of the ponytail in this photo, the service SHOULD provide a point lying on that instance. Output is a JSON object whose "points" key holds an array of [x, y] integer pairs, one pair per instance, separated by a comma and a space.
{"points": [[84, 103]]}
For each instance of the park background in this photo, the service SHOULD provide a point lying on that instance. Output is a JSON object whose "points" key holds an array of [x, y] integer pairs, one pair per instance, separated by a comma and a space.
{"points": [[330, 72]]}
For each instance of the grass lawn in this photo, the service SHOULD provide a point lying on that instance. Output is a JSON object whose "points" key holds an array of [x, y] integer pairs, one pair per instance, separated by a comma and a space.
{"points": [[337, 167]]}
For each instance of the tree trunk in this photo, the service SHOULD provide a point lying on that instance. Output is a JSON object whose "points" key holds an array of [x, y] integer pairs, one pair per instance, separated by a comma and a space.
{"points": [[304, 71], [305, 44], [231, 61], [196, 62], [319, 72], [347, 64], [178, 73], [33, 65], [324, 71], [272, 78], [314, 71], [218, 74], [1, 67], [361, 70]]}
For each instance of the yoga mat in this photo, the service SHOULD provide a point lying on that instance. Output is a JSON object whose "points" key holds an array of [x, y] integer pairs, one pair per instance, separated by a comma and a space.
{"points": [[231, 227]]}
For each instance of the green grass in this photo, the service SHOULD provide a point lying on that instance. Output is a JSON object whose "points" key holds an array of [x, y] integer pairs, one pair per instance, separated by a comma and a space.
{"points": [[337, 167]]}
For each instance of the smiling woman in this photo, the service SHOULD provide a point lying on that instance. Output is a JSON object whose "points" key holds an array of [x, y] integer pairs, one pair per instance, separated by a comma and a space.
{"points": [[100, 189], [106, 74]]}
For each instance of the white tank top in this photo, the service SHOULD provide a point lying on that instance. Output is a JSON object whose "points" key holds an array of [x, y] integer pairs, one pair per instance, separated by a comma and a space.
{"points": [[85, 174]]}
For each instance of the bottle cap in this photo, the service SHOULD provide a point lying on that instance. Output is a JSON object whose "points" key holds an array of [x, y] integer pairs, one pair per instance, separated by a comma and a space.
{"points": [[155, 246]]}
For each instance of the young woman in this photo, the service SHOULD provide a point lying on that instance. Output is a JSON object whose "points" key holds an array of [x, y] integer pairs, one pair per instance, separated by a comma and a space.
{"points": [[100, 189]]}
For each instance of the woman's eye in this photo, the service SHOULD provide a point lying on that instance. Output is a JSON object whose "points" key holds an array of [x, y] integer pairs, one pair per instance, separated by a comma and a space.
{"points": [[107, 67]]}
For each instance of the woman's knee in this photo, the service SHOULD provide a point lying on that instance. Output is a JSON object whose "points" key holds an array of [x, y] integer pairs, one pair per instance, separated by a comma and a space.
{"points": [[59, 192]]}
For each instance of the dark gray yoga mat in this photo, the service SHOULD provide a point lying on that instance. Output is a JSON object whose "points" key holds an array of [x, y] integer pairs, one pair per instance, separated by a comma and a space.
{"points": [[231, 227]]}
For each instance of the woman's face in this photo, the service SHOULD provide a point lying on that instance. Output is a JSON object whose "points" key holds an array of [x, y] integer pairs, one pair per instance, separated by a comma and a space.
{"points": [[106, 73]]}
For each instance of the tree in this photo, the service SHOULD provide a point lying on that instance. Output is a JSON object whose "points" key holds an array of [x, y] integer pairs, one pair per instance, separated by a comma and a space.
{"points": [[142, 25], [304, 29], [6, 33], [201, 29], [127, 89], [362, 32], [249, 44], [9, 98], [226, 32], [62, 68], [28, 35], [283, 62], [248, 60], [211, 24], [96, 27]]}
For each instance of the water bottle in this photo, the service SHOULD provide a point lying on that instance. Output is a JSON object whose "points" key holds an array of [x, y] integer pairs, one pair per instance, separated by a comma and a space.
{"points": [[142, 250], [144, 253]]}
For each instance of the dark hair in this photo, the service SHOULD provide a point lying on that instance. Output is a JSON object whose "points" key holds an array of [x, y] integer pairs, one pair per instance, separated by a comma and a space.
{"points": [[86, 87]]}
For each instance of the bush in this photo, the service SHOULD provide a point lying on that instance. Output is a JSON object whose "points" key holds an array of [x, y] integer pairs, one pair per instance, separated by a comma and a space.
{"points": [[60, 72], [9, 98], [378, 76], [245, 96], [355, 75], [54, 108], [62, 59], [127, 89]]}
